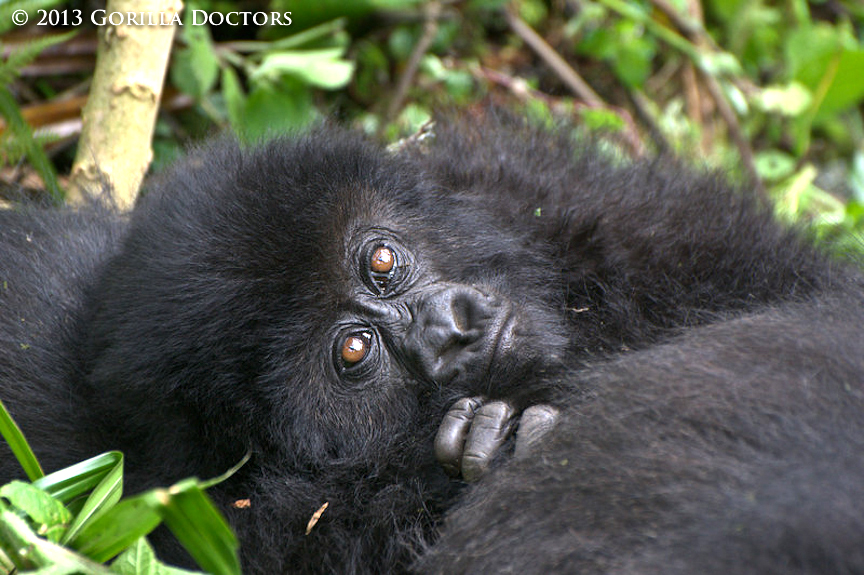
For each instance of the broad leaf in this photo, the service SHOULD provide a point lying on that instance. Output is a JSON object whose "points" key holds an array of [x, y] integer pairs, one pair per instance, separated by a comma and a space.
{"points": [[49, 515]]}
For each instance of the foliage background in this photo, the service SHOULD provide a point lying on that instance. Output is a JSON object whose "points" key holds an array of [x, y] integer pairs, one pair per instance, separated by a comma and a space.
{"points": [[770, 91]]}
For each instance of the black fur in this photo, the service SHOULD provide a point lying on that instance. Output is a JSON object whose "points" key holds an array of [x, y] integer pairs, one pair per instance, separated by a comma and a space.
{"points": [[732, 449], [709, 362]]}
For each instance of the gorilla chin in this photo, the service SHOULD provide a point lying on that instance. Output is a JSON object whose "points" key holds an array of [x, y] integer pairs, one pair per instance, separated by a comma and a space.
{"points": [[492, 351]]}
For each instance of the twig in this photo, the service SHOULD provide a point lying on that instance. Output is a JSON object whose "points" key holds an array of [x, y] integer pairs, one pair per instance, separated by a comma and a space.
{"points": [[695, 32], [640, 104], [518, 86], [690, 27], [567, 74], [728, 115], [115, 148], [430, 27]]}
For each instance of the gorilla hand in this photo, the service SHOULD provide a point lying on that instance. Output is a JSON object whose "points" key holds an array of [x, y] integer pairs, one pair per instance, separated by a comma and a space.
{"points": [[472, 433]]}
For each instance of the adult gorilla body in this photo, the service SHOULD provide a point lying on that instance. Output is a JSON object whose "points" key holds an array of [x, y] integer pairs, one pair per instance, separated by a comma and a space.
{"points": [[725, 435], [248, 306]]}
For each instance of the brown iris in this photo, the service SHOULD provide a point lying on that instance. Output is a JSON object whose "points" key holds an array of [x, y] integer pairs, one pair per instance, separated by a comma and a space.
{"points": [[383, 260], [355, 348]]}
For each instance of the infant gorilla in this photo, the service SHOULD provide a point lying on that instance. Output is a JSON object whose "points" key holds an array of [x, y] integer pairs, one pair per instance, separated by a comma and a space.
{"points": [[324, 305]]}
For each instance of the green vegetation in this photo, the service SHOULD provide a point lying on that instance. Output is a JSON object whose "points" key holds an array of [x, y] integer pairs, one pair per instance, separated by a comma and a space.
{"points": [[74, 520]]}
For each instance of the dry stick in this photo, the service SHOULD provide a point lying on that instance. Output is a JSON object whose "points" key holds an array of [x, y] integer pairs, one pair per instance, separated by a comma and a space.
{"points": [[641, 105], [734, 129], [567, 74], [691, 27], [690, 79], [430, 27], [694, 30], [696, 33], [518, 86], [694, 100], [116, 140]]}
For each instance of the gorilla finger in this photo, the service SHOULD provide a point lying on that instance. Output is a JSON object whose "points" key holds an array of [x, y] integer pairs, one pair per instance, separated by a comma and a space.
{"points": [[493, 423], [536, 421], [450, 439]]}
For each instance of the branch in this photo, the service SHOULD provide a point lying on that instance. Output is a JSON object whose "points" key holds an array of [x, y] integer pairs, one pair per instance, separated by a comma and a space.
{"points": [[116, 138], [430, 28], [567, 74]]}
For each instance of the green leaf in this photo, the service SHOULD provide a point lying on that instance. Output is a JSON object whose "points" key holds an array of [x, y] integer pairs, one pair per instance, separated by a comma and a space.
{"points": [[192, 517], [19, 446], [279, 108], [195, 68], [856, 175], [118, 528], [632, 60], [602, 119], [808, 50], [76, 480], [33, 554], [232, 92], [401, 43], [789, 100], [140, 559], [322, 68], [373, 71], [104, 496], [49, 515], [35, 154], [774, 165], [27, 52], [187, 512], [847, 87]]}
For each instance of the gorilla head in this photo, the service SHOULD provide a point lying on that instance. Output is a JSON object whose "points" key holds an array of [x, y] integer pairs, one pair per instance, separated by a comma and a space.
{"points": [[312, 300]]}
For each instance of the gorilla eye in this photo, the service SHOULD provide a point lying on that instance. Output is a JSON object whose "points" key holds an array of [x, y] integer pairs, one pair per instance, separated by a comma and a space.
{"points": [[383, 263], [383, 268], [355, 348]]}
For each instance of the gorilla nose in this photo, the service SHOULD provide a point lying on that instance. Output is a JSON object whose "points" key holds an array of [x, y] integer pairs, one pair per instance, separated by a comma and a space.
{"points": [[454, 333]]}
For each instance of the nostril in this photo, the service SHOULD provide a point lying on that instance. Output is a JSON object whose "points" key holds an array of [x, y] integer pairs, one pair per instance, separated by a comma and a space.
{"points": [[469, 312], [461, 312]]}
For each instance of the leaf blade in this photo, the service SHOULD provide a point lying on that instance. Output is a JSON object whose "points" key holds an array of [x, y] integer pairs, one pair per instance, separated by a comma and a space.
{"points": [[18, 444]]}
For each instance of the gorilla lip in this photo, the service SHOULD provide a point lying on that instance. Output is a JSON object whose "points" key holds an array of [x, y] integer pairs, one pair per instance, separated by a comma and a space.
{"points": [[502, 338]]}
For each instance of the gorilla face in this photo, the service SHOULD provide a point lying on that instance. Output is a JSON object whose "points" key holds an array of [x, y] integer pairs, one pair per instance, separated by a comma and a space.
{"points": [[314, 301], [422, 329]]}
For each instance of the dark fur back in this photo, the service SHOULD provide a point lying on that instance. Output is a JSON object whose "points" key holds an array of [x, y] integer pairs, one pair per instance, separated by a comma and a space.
{"points": [[49, 259], [732, 449]]}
